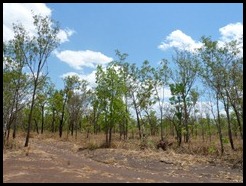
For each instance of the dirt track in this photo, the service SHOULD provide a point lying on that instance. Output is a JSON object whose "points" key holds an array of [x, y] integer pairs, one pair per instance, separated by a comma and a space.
{"points": [[56, 161]]}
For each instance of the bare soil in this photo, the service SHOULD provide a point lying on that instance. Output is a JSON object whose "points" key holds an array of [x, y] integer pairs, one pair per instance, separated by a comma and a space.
{"points": [[51, 160]]}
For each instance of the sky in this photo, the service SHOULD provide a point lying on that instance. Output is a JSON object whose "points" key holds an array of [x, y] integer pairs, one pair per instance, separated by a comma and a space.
{"points": [[91, 32]]}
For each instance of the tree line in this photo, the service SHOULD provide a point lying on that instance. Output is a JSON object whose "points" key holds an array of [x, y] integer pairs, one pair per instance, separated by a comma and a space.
{"points": [[128, 99]]}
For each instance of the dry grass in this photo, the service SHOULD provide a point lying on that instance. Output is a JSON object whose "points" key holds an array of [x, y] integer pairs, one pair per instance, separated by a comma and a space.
{"points": [[195, 148]]}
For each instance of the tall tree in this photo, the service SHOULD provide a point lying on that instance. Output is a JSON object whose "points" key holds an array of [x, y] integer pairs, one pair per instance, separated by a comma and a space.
{"points": [[124, 72], [185, 75], [218, 66], [110, 94], [160, 80], [71, 83], [16, 86], [35, 50], [210, 72]]}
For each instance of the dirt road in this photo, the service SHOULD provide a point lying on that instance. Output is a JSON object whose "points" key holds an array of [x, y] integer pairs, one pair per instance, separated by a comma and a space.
{"points": [[56, 161]]}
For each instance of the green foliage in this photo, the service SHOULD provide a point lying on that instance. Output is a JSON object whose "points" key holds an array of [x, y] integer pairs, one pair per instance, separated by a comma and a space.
{"points": [[212, 149], [225, 140]]}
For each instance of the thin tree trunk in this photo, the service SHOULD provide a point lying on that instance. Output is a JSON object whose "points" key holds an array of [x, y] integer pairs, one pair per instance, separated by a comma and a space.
{"points": [[186, 120], [36, 124], [62, 117], [137, 114], [126, 121], [53, 122], [110, 137], [14, 129], [229, 124], [219, 127], [42, 125], [31, 110]]}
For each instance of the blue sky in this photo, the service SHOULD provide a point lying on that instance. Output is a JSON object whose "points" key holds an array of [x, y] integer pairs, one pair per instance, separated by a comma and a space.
{"points": [[137, 28], [91, 32]]}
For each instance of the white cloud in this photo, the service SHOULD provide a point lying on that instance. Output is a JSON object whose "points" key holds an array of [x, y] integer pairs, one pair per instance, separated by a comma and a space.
{"points": [[22, 13], [179, 40], [79, 59], [63, 35], [231, 32], [91, 78]]}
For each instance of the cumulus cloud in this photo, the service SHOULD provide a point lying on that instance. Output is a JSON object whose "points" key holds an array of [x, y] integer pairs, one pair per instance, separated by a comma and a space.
{"points": [[63, 35], [180, 40], [22, 13], [79, 59], [231, 31], [91, 77]]}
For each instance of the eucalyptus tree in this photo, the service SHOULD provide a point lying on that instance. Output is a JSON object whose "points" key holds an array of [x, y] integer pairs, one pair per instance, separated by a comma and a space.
{"points": [[145, 96], [140, 89], [15, 86], [34, 50], [133, 90], [210, 71], [55, 103], [71, 84], [161, 77], [233, 89], [77, 104], [185, 75], [43, 93], [176, 102], [218, 66], [109, 92], [124, 72], [194, 96]]}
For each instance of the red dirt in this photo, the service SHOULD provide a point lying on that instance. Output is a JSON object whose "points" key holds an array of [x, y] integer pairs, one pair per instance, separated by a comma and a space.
{"points": [[58, 161]]}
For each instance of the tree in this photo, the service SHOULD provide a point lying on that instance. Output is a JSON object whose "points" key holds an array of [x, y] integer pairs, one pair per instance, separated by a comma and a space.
{"points": [[77, 104], [175, 100], [71, 83], [185, 76], [218, 65], [109, 93], [43, 92], [160, 79], [210, 73], [16, 86], [34, 51], [140, 90], [124, 72]]}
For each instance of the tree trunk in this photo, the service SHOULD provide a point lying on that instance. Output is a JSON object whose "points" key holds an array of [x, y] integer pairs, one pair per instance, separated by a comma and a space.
{"points": [[60, 127], [219, 127], [72, 126], [31, 110], [209, 128], [126, 122], [203, 139], [53, 122], [186, 120], [36, 124], [238, 120], [42, 125], [110, 137], [226, 106], [62, 117], [137, 114], [14, 129]]}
